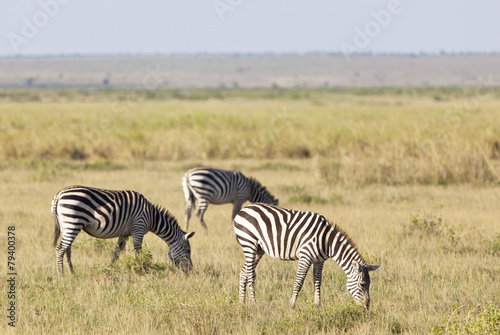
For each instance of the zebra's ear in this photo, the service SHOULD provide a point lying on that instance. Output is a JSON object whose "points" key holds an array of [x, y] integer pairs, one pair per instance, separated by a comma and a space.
{"points": [[373, 267], [189, 235]]}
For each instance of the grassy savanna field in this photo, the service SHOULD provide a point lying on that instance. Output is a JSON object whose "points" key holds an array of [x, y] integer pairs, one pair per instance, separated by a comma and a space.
{"points": [[411, 175]]}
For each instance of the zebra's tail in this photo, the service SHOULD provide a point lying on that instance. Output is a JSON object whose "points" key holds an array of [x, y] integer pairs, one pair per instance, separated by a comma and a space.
{"points": [[57, 226], [188, 193]]}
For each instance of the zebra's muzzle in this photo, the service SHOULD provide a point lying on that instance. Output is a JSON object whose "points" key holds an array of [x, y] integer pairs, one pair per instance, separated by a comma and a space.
{"points": [[186, 265]]}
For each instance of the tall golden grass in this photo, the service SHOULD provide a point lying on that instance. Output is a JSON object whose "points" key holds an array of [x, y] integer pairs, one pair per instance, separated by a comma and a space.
{"points": [[353, 139]]}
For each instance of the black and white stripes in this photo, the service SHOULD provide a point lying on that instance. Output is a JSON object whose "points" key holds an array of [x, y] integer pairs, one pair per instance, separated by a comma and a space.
{"points": [[215, 186], [308, 237], [261, 227], [108, 214]]}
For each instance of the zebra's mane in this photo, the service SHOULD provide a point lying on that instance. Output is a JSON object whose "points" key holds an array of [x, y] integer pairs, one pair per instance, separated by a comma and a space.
{"points": [[166, 213], [349, 240], [257, 185]]}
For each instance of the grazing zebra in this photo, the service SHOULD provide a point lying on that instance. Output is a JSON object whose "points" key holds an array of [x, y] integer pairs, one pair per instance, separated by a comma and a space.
{"points": [[108, 214], [308, 237], [214, 186]]}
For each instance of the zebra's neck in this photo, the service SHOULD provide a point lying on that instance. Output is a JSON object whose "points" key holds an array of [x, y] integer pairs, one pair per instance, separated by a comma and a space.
{"points": [[258, 193], [163, 224], [343, 250]]}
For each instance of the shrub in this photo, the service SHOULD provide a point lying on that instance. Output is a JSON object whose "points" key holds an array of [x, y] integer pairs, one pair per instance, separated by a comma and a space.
{"points": [[494, 246], [139, 263], [426, 223], [143, 262], [484, 322]]}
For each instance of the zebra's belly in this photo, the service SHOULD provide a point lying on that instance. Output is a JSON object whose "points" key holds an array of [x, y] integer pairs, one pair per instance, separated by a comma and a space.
{"points": [[100, 230], [284, 255], [289, 254], [217, 201], [219, 198], [221, 201]]}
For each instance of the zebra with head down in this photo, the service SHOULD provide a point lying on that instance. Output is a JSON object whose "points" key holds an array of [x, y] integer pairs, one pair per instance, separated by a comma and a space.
{"points": [[308, 237], [208, 185], [107, 214]]}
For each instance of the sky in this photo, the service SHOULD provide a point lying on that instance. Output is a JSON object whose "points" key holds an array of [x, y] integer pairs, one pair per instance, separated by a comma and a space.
{"points": [[92, 27]]}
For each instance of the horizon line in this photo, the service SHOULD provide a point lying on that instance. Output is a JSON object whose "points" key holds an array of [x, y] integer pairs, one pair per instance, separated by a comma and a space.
{"points": [[252, 54]]}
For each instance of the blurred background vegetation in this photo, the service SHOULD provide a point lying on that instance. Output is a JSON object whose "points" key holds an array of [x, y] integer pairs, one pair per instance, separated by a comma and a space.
{"points": [[352, 136]]}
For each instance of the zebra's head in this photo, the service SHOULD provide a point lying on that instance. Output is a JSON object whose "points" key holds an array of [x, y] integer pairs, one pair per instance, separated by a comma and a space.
{"points": [[358, 283], [261, 194], [180, 253]]}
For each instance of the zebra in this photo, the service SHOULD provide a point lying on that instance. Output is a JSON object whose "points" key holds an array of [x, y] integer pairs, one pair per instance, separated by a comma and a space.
{"points": [[107, 214], [308, 237], [208, 185]]}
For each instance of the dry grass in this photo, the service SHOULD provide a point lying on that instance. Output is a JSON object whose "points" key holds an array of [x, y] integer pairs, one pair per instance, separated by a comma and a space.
{"points": [[425, 275], [416, 191], [354, 139]]}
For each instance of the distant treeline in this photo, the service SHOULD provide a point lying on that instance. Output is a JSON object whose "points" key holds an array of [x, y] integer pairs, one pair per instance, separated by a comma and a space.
{"points": [[51, 94]]}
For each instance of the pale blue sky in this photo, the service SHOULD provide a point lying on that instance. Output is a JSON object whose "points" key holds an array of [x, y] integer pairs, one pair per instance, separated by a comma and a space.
{"points": [[88, 27]]}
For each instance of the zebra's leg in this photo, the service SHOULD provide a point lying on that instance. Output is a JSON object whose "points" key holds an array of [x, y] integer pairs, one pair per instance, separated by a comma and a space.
{"points": [[187, 212], [317, 271], [202, 207], [137, 240], [243, 284], [64, 247], [68, 259], [236, 207], [122, 240], [304, 265], [59, 257], [190, 199], [247, 274], [251, 275]]}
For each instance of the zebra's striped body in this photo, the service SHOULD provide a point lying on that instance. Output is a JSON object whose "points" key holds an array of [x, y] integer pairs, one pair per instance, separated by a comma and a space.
{"points": [[308, 237], [214, 186], [108, 214]]}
